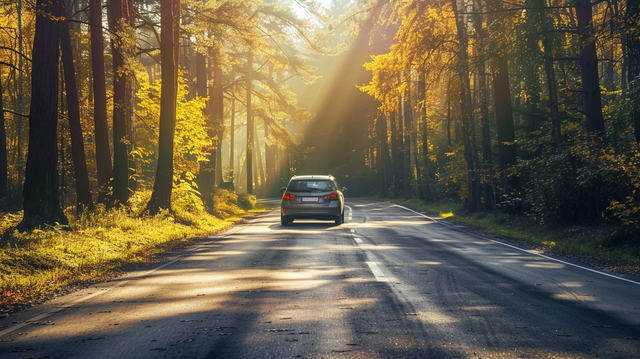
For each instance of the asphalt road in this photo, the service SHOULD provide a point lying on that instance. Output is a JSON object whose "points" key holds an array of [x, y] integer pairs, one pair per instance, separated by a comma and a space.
{"points": [[389, 283]]}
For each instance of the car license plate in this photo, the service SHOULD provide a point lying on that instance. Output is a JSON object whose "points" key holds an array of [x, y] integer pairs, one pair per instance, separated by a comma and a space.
{"points": [[309, 199]]}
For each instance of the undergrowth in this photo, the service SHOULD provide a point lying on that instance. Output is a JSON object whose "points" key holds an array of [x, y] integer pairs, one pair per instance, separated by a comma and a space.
{"points": [[99, 243]]}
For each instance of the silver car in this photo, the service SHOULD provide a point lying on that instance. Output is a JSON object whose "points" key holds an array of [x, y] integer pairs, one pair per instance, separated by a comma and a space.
{"points": [[312, 197]]}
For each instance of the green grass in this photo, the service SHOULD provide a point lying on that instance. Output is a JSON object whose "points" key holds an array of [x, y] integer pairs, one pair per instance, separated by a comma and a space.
{"points": [[100, 245], [586, 243]]}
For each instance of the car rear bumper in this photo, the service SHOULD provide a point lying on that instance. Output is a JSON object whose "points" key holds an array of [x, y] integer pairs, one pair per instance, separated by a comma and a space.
{"points": [[312, 211]]}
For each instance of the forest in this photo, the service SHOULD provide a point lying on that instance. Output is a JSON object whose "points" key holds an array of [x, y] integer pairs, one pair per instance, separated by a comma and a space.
{"points": [[526, 108]]}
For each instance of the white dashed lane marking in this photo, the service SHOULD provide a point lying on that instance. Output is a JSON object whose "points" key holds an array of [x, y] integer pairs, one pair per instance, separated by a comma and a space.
{"points": [[377, 272]]}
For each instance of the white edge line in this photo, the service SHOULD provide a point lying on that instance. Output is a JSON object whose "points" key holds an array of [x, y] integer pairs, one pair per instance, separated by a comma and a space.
{"points": [[520, 249], [358, 240]]}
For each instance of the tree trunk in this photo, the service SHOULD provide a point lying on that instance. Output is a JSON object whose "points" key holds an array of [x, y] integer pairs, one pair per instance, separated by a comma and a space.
{"points": [[552, 83], [201, 73], [219, 121], [504, 112], [260, 166], [130, 83], [120, 184], [591, 99], [207, 181], [161, 196], [202, 90], [531, 74], [482, 85], [270, 163], [468, 132], [633, 63], [384, 169], [40, 192], [249, 152], [4, 166], [83, 188], [103, 152], [408, 128], [422, 98], [19, 97], [232, 129], [396, 155]]}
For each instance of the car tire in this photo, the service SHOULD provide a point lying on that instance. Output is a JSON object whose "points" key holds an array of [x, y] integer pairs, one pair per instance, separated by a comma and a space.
{"points": [[342, 217], [284, 220], [339, 220]]}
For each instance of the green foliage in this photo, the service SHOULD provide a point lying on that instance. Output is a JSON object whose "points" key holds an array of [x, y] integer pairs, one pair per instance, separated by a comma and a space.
{"points": [[584, 185], [186, 203], [247, 201], [225, 204], [191, 137]]}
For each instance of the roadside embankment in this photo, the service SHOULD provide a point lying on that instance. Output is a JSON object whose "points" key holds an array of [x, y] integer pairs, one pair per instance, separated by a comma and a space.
{"points": [[100, 245]]}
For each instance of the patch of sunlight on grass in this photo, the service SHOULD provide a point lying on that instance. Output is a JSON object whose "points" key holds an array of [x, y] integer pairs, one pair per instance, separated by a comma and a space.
{"points": [[98, 245], [446, 215]]}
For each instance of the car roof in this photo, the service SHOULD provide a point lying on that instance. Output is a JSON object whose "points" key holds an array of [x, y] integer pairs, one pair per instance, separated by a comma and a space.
{"points": [[308, 177]]}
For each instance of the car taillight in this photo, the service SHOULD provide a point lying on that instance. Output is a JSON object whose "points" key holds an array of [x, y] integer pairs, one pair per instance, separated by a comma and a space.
{"points": [[288, 196], [331, 196]]}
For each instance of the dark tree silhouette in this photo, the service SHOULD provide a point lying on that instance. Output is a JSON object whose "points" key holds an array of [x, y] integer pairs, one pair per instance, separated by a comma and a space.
{"points": [[161, 196], [40, 192], [633, 60], [591, 98], [83, 189], [119, 15], [101, 132], [3, 151]]}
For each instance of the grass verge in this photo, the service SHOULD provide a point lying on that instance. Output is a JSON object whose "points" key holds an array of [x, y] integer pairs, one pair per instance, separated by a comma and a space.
{"points": [[99, 245], [587, 244]]}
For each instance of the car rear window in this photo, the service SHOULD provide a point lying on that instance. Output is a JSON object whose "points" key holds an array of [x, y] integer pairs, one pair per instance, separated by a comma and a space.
{"points": [[310, 185]]}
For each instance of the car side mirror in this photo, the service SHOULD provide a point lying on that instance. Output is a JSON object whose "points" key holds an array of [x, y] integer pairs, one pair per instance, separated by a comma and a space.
{"points": [[283, 189], [344, 189]]}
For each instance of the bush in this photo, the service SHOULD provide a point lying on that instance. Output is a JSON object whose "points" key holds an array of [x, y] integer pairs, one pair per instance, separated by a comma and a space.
{"points": [[186, 203], [225, 204], [247, 201]]}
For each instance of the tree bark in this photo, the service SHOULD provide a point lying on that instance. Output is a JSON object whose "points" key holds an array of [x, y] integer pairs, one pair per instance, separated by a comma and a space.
{"points": [[129, 86], [269, 160], [504, 112], [407, 115], [218, 121], [4, 164], [259, 164], [249, 152], [202, 91], [207, 176], [384, 168], [468, 132], [232, 129], [120, 184], [163, 185], [40, 192], [422, 98], [398, 159], [591, 98], [19, 99], [552, 83], [83, 189], [101, 134], [633, 63]]}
